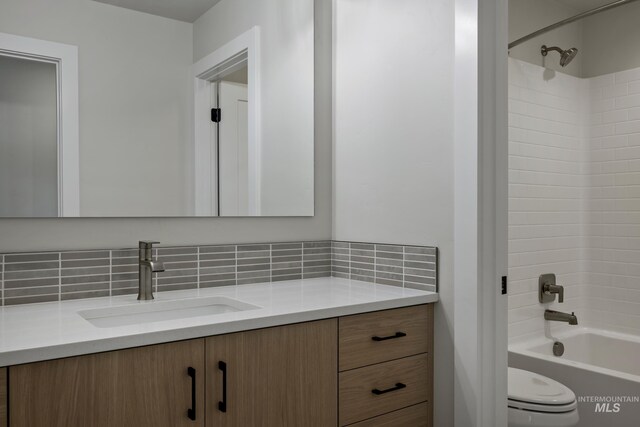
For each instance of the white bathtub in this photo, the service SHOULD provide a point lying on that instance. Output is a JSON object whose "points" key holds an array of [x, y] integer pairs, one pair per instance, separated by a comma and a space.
{"points": [[601, 367]]}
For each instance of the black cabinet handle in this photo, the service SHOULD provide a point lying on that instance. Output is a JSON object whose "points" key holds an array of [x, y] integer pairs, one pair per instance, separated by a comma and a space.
{"points": [[398, 386], [191, 413], [390, 337], [222, 405]]}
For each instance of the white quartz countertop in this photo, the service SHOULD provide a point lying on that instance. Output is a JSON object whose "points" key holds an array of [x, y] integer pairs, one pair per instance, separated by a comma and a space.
{"points": [[34, 332]]}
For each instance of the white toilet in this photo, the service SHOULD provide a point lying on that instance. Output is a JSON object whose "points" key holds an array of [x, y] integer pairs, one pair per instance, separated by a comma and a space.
{"points": [[538, 401]]}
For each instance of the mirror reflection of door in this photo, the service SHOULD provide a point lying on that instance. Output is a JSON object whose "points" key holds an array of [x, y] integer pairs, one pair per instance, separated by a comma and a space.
{"points": [[233, 150], [28, 138]]}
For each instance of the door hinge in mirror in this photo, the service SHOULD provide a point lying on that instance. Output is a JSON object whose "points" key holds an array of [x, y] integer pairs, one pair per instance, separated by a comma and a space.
{"points": [[504, 285], [216, 115]]}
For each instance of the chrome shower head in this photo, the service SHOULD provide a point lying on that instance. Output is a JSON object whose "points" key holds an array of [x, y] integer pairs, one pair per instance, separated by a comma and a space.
{"points": [[566, 56]]}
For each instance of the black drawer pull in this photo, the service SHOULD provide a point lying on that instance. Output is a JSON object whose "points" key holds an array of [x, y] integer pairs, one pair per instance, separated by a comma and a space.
{"points": [[222, 405], [191, 413], [390, 337], [398, 386]]}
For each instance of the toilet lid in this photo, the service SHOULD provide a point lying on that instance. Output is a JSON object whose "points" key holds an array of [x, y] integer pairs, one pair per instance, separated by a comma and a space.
{"points": [[525, 386]]}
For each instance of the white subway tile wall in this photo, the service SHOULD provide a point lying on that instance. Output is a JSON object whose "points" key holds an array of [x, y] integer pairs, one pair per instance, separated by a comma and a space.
{"points": [[574, 197], [612, 232], [54, 276], [546, 184]]}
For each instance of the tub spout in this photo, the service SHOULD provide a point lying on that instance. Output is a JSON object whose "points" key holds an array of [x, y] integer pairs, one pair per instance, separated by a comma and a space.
{"points": [[561, 317]]}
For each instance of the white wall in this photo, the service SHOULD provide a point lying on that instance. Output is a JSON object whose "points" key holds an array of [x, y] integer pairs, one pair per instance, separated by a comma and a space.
{"points": [[28, 138], [527, 16], [611, 41], [134, 101], [286, 44], [393, 144], [87, 233]]}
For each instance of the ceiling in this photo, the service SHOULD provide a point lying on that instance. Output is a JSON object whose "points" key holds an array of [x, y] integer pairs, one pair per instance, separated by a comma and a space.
{"points": [[182, 10], [584, 5]]}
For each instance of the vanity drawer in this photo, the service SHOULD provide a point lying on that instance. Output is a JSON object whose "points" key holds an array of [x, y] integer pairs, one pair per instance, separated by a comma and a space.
{"points": [[365, 339], [413, 416], [374, 390]]}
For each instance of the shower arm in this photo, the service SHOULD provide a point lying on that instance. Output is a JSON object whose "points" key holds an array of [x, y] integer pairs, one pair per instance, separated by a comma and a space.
{"points": [[545, 49], [569, 20]]}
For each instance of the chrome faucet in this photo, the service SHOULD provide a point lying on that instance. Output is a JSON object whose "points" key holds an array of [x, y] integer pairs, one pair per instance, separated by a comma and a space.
{"points": [[146, 267], [561, 317]]}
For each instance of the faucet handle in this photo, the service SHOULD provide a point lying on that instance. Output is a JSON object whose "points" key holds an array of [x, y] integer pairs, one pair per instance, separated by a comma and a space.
{"points": [[147, 244], [547, 289], [554, 289], [550, 289]]}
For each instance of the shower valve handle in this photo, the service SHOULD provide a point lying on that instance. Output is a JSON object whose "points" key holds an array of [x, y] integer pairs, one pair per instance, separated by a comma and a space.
{"points": [[550, 289], [547, 289]]}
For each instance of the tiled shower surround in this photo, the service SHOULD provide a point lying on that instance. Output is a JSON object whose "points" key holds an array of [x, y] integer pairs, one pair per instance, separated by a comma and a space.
{"points": [[574, 202], [53, 276]]}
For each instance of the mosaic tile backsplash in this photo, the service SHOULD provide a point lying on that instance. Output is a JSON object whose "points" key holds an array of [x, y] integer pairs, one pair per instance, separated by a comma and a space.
{"points": [[54, 276]]}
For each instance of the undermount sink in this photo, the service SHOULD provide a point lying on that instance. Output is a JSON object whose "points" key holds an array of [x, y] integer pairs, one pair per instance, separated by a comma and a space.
{"points": [[157, 311]]}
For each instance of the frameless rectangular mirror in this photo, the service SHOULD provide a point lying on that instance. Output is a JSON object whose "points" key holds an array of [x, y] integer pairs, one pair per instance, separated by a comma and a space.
{"points": [[125, 108]]}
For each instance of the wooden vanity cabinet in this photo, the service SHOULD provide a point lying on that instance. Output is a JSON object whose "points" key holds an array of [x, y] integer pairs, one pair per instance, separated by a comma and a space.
{"points": [[3, 397], [386, 368], [366, 370], [282, 376], [146, 386]]}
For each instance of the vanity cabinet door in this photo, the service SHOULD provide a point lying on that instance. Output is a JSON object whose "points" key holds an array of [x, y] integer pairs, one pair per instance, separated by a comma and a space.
{"points": [[146, 386], [281, 376]]}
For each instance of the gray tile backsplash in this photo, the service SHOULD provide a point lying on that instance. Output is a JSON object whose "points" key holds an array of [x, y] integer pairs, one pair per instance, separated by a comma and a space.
{"points": [[53, 276], [29, 278], [181, 269], [396, 265], [316, 259], [85, 274], [286, 261]]}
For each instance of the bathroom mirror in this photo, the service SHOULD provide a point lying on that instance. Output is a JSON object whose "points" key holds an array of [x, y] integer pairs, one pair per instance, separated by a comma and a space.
{"points": [[127, 108]]}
